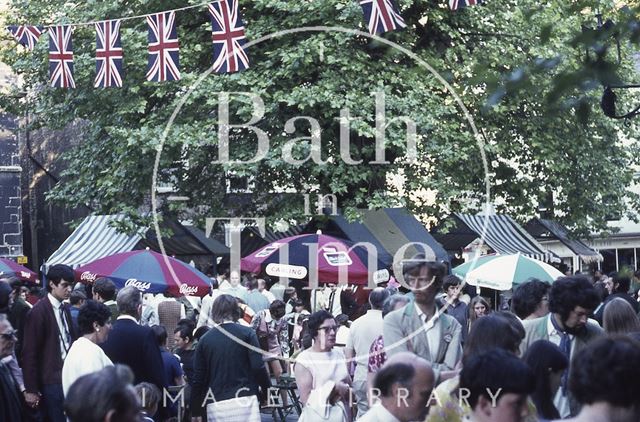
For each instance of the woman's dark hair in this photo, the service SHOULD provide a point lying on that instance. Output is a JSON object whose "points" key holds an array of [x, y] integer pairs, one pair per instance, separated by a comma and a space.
{"points": [[315, 321], [515, 323], [568, 292], [607, 371], [277, 309], [109, 390], [488, 333], [495, 371], [161, 334], [619, 317], [528, 296], [225, 307], [544, 358], [91, 312]]}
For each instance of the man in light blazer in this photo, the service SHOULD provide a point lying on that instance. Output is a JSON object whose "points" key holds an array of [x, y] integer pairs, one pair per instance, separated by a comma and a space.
{"points": [[419, 327], [571, 301]]}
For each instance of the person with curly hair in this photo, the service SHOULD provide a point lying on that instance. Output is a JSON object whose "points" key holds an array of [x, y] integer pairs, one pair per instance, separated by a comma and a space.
{"points": [[531, 299], [571, 301], [85, 356], [605, 380]]}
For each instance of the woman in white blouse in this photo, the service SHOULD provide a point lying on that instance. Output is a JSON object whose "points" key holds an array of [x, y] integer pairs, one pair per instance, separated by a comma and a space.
{"points": [[85, 356]]}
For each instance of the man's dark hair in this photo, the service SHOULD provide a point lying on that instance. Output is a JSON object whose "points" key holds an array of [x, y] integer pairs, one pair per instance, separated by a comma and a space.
{"points": [[186, 332], [76, 297], [161, 334], [91, 312], [315, 321], [489, 333], [450, 281], [527, 297], [277, 309], [623, 283], [493, 371], [377, 297], [388, 375], [225, 307], [607, 370], [568, 292], [105, 288], [109, 389], [58, 272]]}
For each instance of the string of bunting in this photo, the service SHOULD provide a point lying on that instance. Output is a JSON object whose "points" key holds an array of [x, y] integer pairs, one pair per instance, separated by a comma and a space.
{"points": [[227, 35]]}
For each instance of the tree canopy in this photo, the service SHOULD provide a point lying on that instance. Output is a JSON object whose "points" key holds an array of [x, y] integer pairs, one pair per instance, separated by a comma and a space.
{"points": [[521, 68]]}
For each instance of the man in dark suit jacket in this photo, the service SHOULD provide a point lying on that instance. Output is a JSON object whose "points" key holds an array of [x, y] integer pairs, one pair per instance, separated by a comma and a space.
{"points": [[132, 344], [48, 334]]}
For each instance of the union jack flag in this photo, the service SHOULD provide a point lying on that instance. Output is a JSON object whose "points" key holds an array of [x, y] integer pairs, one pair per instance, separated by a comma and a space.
{"points": [[26, 35], [459, 4], [164, 54], [61, 57], [227, 34], [381, 16], [108, 54]]}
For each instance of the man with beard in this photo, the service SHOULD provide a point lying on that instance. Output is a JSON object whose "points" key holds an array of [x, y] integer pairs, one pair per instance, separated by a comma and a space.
{"points": [[571, 300]]}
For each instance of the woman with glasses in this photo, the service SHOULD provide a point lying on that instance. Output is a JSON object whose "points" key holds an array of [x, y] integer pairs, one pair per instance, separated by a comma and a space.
{"points": [[321, 369]]}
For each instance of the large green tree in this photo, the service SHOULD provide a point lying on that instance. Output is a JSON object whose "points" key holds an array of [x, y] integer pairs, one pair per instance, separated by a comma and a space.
{"points": [[519, 67]]}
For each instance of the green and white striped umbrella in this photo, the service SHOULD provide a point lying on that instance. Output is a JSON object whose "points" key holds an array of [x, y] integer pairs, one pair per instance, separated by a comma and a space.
{"points": [[502, 272]]}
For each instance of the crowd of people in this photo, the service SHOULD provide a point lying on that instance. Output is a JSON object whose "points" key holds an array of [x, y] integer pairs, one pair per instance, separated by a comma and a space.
{"points": [[429, 349]]}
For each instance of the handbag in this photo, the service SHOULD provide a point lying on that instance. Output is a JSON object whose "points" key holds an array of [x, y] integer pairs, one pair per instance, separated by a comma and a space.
{"points": [[238, 409], [319, 409], [331, 413]]}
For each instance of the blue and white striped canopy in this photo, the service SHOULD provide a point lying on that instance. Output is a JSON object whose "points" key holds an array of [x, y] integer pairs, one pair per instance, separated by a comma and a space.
{"points": [[505, 236], [93, 239]]}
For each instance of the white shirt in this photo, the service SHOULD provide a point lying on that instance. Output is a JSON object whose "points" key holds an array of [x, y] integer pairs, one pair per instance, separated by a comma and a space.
{"points": [[432, 329], [270, 297], [560, 401], [362, 333], [84, 358], [205, 309], [62, 327], [127, 317], [378, 413]]}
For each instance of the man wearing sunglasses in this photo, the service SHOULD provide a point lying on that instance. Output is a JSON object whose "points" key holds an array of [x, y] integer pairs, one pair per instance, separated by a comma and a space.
{"points": [[11, 409]]}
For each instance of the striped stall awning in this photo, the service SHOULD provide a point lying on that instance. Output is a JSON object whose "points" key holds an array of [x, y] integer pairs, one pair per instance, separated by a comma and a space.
{"points": [[505, 236], [94, 238]]}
